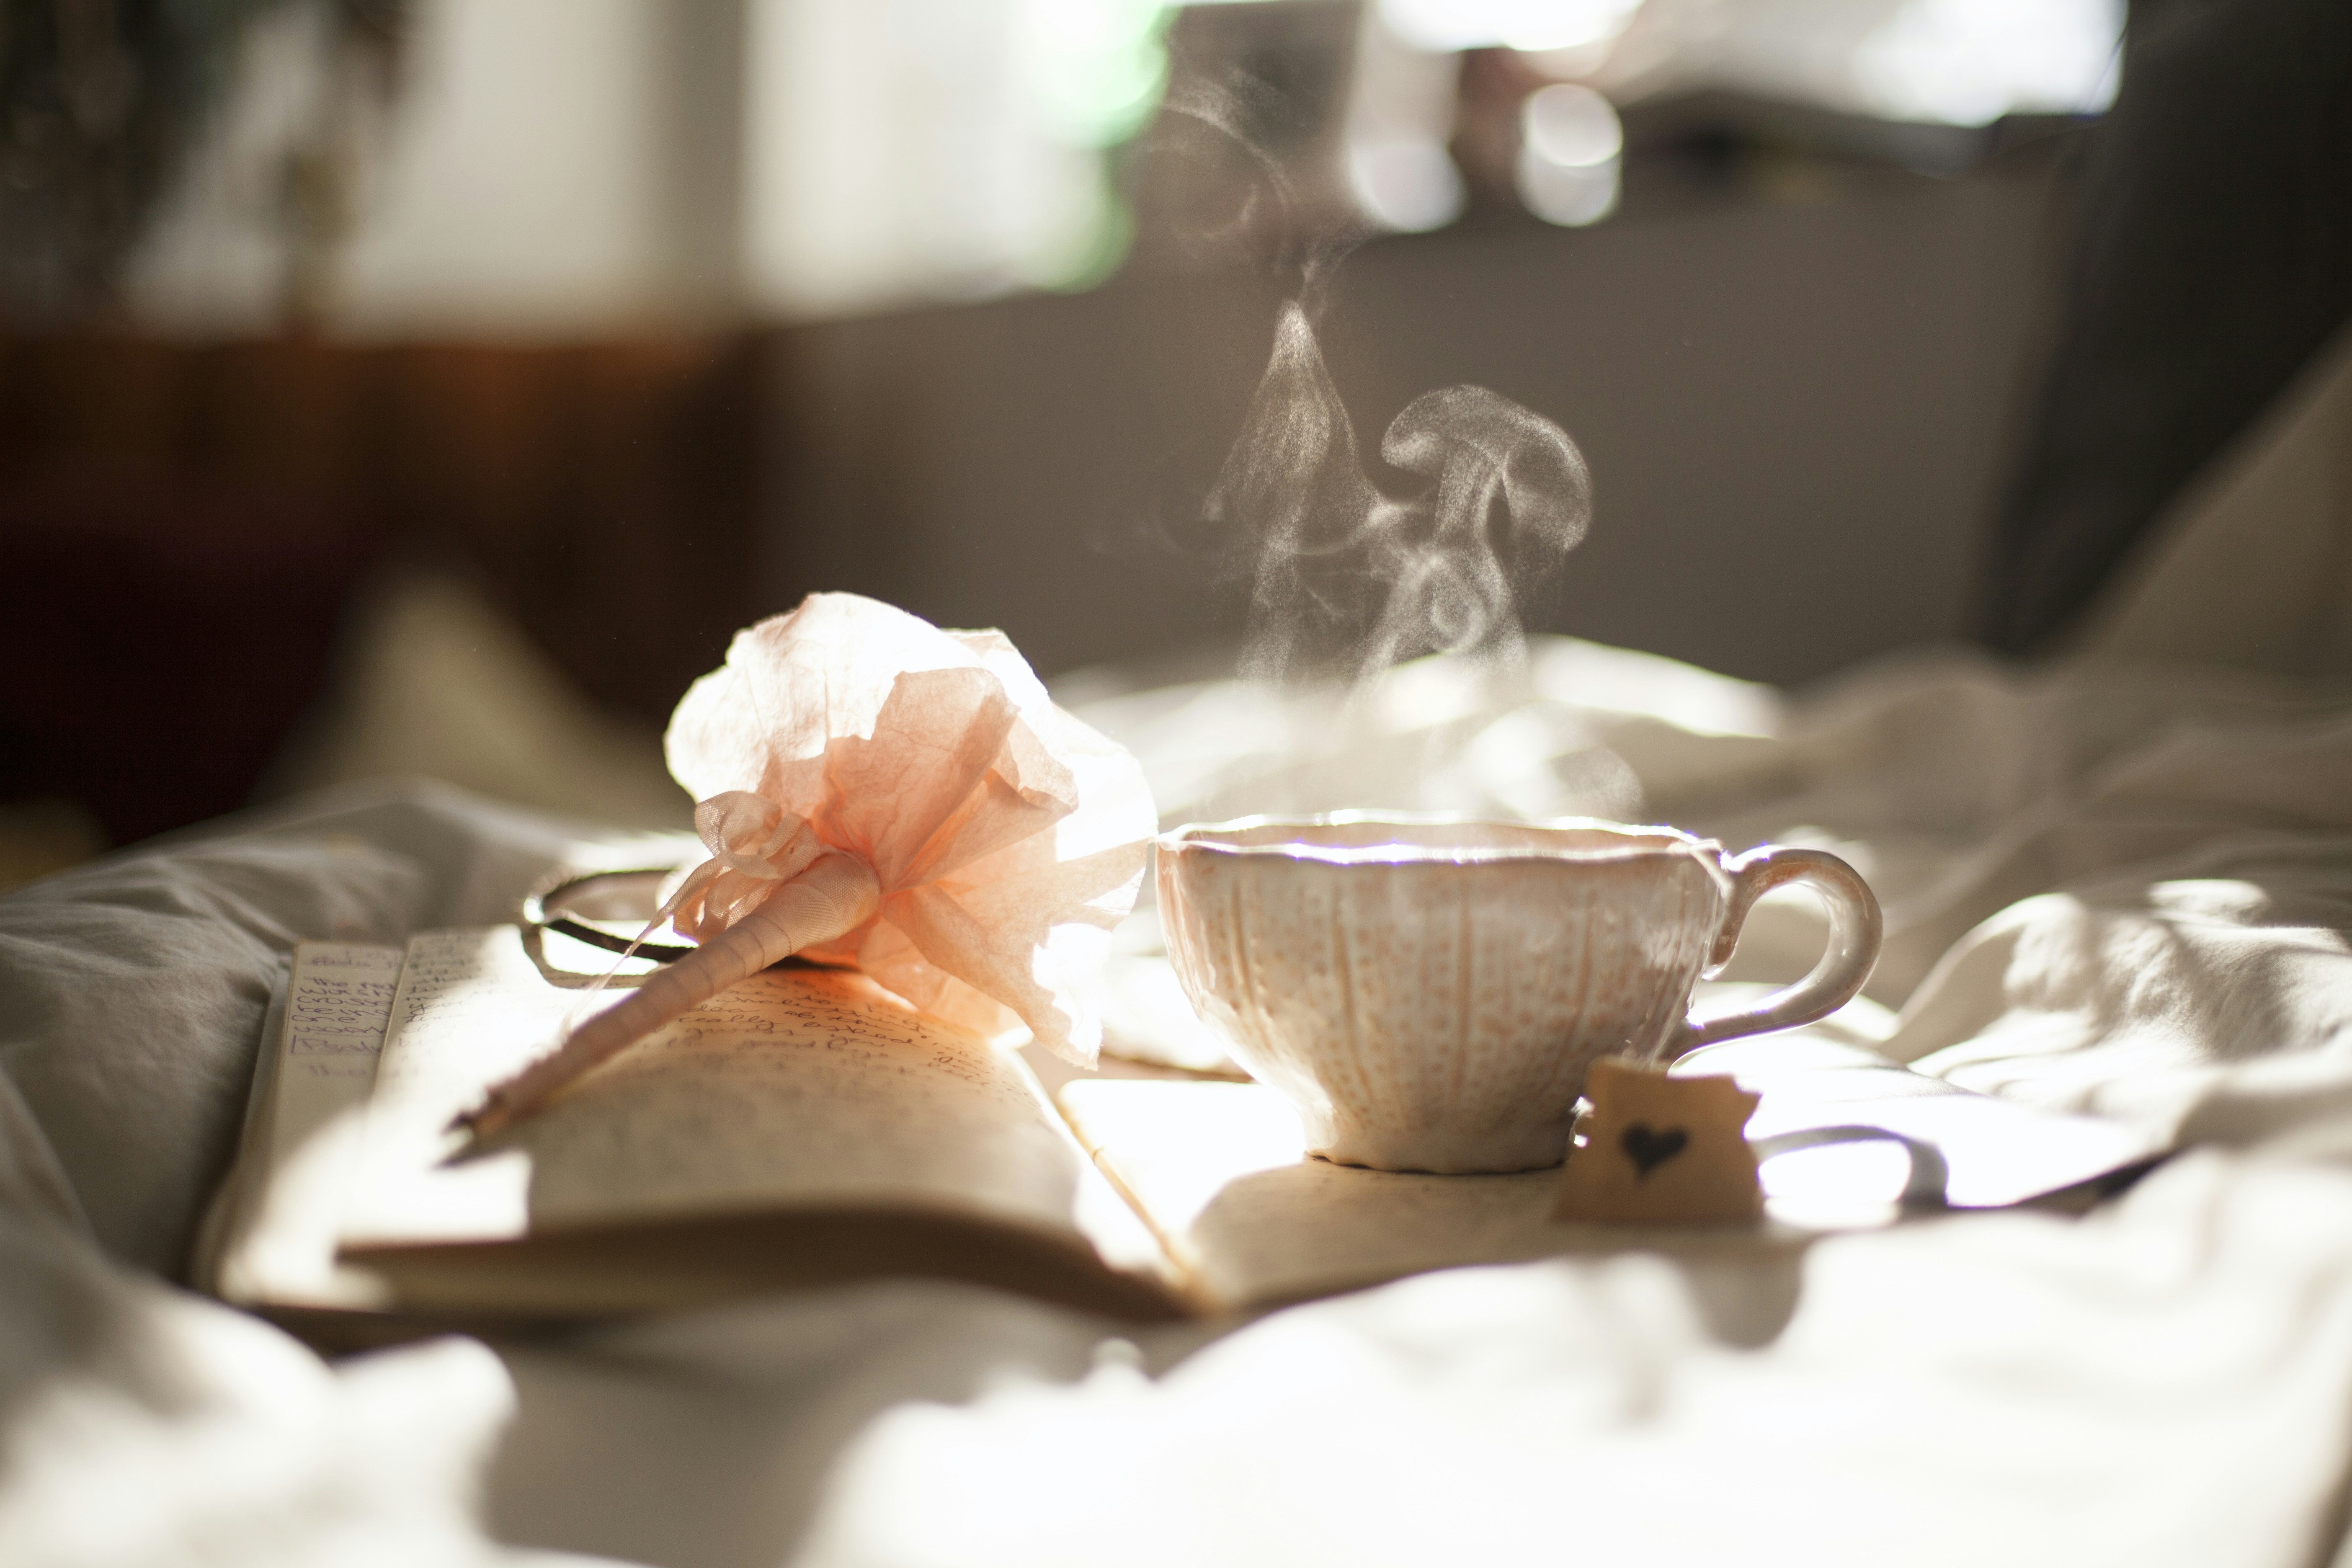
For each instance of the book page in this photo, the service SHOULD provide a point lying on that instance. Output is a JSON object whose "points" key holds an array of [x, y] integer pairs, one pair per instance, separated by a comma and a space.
{"points": [[799, 1089], [229, 1214], [1220, 1172], [337, 1004], [311, 1083]]}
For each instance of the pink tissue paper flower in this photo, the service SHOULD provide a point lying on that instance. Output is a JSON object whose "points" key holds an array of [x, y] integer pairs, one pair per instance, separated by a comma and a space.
{"points": [[1006, 838]]}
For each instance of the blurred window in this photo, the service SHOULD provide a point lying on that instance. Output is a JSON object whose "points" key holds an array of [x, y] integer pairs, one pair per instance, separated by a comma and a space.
{"points": [[561, 167], [902, 150]]}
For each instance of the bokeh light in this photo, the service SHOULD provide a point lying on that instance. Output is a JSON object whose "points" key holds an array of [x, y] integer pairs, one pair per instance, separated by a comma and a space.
{"points": [[1570, 149]]}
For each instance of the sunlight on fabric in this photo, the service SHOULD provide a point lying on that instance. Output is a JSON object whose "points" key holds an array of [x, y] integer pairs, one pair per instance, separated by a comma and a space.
{"points": [[1625, 681], [1838, 1186], [2022, 1378]]}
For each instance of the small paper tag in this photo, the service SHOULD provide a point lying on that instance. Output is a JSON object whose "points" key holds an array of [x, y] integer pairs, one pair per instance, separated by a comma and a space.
{"points": [[1662, 1150]]}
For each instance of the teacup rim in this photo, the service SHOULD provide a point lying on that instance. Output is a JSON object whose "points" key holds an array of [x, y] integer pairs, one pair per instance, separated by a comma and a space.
{"points": [[1677, 842]]}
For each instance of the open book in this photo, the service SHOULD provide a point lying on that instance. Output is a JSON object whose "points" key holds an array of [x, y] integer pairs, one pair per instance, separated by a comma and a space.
{"points": [[807, 1127]]}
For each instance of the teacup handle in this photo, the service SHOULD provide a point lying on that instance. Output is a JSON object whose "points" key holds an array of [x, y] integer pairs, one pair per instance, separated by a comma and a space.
{"points": [[1854, 931]]}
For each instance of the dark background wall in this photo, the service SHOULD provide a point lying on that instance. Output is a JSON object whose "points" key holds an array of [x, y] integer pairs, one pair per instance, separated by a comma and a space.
{"points": [[1794, 404]]}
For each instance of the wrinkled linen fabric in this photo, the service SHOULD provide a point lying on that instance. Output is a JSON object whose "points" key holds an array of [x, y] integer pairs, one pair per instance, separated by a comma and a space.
{"points": [[132, 990], [145, 1425], [2162, 1384], [140, 1424], [1008, 839]]}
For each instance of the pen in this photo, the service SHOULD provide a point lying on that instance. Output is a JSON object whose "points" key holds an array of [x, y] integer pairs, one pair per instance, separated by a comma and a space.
{"points": [[832, 896]]}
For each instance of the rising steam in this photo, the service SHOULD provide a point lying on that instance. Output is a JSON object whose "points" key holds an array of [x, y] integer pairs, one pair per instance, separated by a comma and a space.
{"points": [[1346, 579]]}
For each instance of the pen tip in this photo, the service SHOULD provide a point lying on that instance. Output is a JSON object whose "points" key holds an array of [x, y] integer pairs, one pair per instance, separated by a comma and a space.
{"points": [[480, 1122], [486, 1120]]}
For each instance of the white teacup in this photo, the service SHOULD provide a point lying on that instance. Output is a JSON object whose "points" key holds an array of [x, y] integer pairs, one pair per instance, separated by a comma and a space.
{"points": [[1430, 991]]}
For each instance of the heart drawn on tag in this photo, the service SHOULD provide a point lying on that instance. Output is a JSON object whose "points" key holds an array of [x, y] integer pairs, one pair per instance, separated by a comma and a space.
{"points": [[1649, 1147]]}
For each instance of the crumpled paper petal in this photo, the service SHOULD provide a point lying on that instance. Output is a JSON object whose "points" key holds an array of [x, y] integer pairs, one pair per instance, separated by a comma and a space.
{"points": [[1008, 837], [754, 845]]}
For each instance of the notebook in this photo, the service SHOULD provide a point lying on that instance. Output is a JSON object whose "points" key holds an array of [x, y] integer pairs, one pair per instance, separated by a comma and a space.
{"points": [[808, 1128]]}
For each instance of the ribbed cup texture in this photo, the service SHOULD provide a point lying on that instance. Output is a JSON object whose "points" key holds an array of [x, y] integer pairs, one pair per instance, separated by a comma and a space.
{"points": [[1432, 1015]]}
